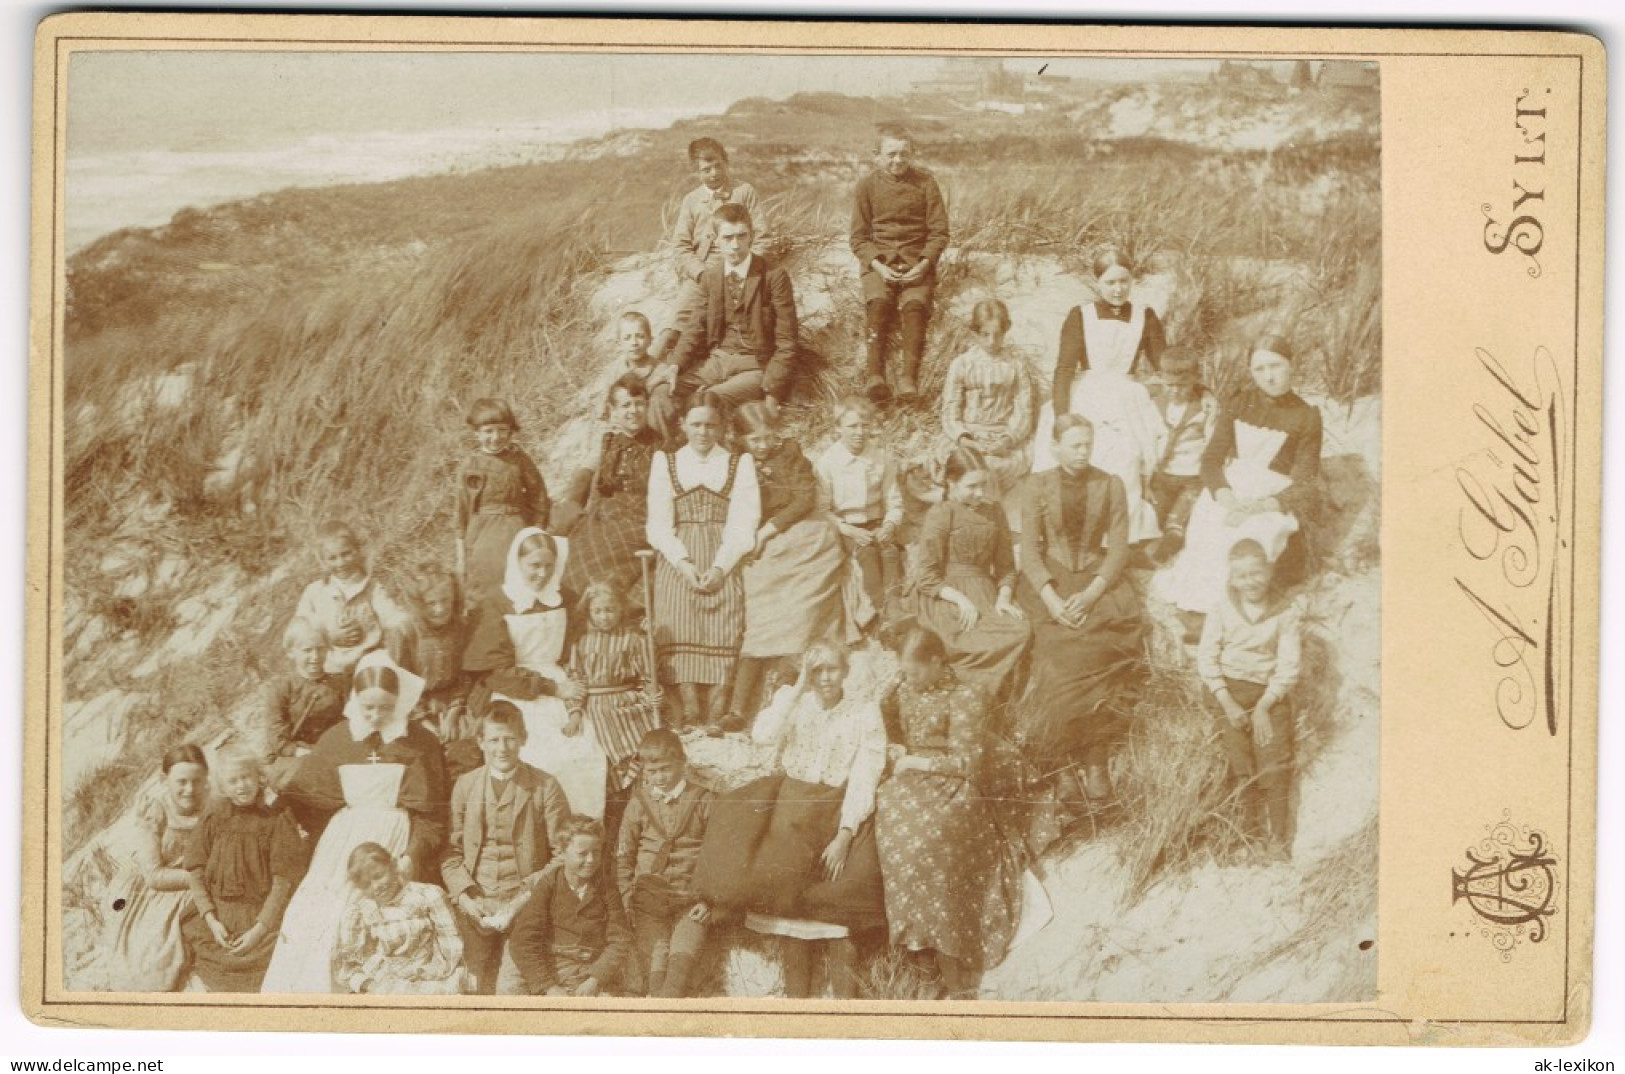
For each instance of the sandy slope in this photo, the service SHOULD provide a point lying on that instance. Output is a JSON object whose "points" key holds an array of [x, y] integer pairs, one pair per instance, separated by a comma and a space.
{"points": [[1202, 935]]}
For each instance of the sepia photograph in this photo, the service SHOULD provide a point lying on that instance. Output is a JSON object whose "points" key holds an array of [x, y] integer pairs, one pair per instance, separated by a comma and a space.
{"points": [[686, 525], [974, 532]]}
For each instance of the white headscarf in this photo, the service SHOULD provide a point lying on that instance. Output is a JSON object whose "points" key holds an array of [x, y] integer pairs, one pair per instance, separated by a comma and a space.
{"points": [[514, 586], [406, 699]]}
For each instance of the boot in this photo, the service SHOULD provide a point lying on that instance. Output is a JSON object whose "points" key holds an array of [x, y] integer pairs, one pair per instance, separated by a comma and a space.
{"points": [[843, 968], [742, 701], [674, 982], [687, 710], [878, 322], [716, 710], [796, 957], [915, 316]]}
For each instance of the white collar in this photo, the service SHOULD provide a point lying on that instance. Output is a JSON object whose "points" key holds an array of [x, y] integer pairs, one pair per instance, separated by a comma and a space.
{"points": [[350, 590], [411, 688], [668, 797], [741, 271], [847, 458]]}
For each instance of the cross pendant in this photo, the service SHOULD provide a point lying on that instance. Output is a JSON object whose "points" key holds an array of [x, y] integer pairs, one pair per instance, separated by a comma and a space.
{"points": [[373, 757]]}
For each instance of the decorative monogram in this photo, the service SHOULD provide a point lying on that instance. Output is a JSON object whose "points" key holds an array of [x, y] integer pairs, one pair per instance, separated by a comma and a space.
{"points": [[1511, 884]]}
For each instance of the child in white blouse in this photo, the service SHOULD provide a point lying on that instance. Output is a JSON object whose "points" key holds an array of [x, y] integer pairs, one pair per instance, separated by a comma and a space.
{"points": [[1249, 659], [354, 614], [1189, 412], [858, 489]]}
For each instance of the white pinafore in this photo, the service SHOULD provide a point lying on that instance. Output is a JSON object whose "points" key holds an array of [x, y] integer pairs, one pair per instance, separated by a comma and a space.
{"points": [[1128, 429], [303, 961], [578, 763], [1196, 581]]}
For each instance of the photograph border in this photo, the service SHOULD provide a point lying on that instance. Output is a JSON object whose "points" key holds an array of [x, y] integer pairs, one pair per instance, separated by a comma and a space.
{"points": [[1370, 1022]]}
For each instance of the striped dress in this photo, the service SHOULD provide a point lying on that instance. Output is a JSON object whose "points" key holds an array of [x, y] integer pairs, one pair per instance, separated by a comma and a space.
{"points": [[698, 634], [614, 667]]}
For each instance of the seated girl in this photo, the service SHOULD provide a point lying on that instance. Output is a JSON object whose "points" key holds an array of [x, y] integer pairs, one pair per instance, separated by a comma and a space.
{"points": [[144, 950], [1260, 477], [295, 708], [793, 578], [398, 936], [610, 660], [243, 861], [965, 578], [952, 879], [520, 638], [798, 844], [1104, 346], [987, 400]]}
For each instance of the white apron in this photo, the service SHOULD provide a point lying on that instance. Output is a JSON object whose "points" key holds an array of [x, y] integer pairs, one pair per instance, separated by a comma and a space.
{"points": [[577, 763], [1196, 581], [303, 961], [1129, 431]]}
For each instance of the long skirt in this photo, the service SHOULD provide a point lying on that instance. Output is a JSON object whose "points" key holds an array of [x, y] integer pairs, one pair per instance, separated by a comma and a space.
{"points": [[762, 853], [1085, 682], [988, 654], [697, 635], [221, 970], [793, 591], [486, 544], [1196, 581], [952, 881], [144, 950], [604, 546], [310, 928]]}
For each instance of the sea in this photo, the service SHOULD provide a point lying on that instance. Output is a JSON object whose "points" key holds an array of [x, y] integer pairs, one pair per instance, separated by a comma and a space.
{"points": [[150, 133]]}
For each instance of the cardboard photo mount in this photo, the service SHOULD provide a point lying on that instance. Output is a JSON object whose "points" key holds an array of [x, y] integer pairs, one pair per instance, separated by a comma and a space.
{"points": [[1492, 151]]}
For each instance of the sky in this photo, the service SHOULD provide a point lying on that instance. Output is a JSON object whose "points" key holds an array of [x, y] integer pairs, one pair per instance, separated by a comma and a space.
{"points": [[152, 132], [144, 101]]}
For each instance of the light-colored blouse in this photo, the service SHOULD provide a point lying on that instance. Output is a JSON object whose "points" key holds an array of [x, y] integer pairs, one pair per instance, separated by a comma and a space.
{"points": [[744, 504], [843, 745]]}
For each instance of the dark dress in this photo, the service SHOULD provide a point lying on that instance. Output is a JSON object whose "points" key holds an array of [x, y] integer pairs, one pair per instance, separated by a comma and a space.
{"points": [[764, 842], [497, 496], [1261, 447], [244, 861], [969, 549], [1085, 680], [610, 530], [316, 794], [952, 880], [292, 713]]}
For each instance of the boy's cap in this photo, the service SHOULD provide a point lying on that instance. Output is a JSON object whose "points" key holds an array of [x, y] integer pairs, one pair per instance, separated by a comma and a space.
{"points": [[1180, 367]]}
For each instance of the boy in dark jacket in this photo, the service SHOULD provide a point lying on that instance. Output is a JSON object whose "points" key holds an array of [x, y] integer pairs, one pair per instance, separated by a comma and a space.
{"points": [[899, 230]]}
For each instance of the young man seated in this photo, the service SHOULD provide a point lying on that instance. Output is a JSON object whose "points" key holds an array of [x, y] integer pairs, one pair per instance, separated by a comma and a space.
{"points": [[741, 343]]}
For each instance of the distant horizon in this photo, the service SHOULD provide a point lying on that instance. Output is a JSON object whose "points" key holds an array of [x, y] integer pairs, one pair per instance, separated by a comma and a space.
{"points": [[150, 133]]}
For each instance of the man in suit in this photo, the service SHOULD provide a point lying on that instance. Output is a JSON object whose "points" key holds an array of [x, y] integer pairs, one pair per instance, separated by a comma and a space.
{"points": [[741, 340], [507, 819], [1088, 624]]}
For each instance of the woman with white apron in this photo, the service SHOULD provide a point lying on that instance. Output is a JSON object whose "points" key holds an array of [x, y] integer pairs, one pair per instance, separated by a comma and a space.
{"points": [[1105, 340], [524, 630], [376, 778], [1260, 471]]}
